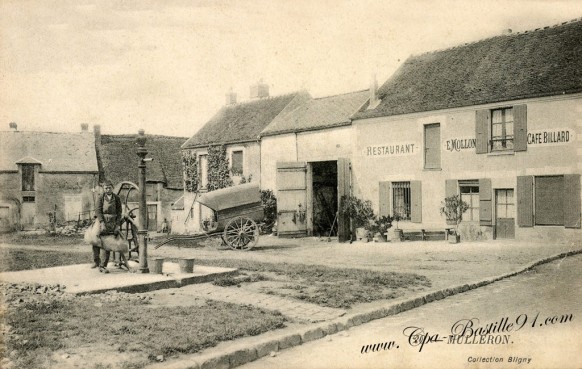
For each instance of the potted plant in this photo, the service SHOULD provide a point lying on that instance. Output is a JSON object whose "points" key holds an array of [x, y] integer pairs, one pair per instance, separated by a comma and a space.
{"points": [[361, 214], [397, 234], [453, 208], [380, 227]]}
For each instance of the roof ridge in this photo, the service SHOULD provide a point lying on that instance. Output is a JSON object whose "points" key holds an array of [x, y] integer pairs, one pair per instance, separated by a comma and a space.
{"points": [[239, 103], [342, 94], [436, 51]]}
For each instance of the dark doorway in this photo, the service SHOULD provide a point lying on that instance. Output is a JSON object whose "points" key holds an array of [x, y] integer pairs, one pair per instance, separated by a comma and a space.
{"points": [[325, 198]]}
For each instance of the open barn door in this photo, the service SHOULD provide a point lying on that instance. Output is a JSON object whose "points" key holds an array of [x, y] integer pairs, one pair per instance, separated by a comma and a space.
{"points": [[291, 199]]}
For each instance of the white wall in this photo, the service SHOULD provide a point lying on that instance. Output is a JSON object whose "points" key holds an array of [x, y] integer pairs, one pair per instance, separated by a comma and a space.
{"points": [[540, 159], [321, 145]]}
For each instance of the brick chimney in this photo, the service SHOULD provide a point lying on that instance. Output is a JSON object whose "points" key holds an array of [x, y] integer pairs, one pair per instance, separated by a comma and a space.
{"points": [[374, 100], [97, 132], [84, 127], [13, 126], [230, 98], [260, 90]]}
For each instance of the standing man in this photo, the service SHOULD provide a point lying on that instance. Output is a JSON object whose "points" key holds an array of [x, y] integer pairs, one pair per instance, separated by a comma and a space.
{"points": [[109, 215]]}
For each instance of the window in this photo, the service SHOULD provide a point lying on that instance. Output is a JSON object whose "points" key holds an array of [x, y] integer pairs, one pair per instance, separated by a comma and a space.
{"points": [[401, 200], [432, 146], [470, 194], [237, 163], [549, 200], [27, 177], [203, 170], [505, 207], [502, 129], [152, 192], [28, 199]]}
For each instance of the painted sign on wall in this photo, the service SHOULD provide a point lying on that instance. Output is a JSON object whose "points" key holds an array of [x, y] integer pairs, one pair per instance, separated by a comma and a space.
{"points": [[550, 137], [389, 150], [458, 144]]}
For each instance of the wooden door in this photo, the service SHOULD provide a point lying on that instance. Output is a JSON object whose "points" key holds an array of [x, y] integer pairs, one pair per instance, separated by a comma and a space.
{"points": [[504, 213], [152, 217], [291, 199]]}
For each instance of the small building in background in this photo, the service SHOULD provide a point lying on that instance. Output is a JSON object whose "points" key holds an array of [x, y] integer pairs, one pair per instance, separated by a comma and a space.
{"points": [[46, 178], [233, 132], [305, 156], [118, 162]]}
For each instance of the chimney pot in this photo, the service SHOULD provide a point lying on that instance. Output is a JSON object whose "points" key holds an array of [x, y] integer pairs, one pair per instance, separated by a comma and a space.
{"points": [[84, 127], [230, 98], [13, 126], [260, 90]]}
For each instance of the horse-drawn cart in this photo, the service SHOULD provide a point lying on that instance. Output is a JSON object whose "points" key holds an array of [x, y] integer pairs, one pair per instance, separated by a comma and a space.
{"points": [[233, 215]]}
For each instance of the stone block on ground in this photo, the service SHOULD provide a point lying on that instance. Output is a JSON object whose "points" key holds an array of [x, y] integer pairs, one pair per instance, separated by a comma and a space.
{"points": [[243, 356], [312, 334], [289, 341], [266, 348]]}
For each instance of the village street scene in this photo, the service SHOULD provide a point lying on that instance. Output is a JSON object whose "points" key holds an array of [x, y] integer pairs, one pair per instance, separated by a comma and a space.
{"points": [[204, 185]]}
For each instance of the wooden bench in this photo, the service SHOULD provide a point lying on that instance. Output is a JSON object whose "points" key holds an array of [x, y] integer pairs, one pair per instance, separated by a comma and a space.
{"points": [[427, 234]]}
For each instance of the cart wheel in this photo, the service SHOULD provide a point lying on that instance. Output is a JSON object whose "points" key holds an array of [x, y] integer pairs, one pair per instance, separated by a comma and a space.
{"points": [[241, 234]]}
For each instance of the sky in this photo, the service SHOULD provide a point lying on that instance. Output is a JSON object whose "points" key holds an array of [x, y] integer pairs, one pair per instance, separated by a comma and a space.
{"points": [[165, 66]]}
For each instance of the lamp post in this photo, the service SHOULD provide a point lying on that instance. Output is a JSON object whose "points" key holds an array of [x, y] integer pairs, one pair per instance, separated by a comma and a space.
{"points": [[143, 211]]}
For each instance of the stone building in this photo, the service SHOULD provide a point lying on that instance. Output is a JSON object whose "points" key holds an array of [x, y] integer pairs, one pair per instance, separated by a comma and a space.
{"points": [[118, 162], [234, 128], [46, 177], [497, 121]]}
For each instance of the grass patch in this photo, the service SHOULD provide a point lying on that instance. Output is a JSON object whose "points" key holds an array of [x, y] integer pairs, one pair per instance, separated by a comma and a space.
{"points": [[230, 280], [44, 239], [38, 328], [14, 260], [326, 286]]}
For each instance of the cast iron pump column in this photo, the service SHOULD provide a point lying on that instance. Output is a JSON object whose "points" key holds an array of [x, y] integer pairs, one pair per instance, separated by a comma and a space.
{"points": [[143, 211]]}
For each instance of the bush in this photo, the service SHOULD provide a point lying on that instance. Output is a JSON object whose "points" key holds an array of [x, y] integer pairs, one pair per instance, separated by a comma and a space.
{"points": [[453, 208], [359, 211], [270, 210]]}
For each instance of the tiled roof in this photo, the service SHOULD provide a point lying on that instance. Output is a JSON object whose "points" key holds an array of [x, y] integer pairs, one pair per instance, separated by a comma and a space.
{"points": [[119, 160], [241, 122], [544, 62], [55, 152], [325, 112]]}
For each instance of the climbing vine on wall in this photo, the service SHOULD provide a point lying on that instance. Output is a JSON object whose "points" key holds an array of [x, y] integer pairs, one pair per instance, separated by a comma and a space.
{"points": [[218, 172], [190, 166]]}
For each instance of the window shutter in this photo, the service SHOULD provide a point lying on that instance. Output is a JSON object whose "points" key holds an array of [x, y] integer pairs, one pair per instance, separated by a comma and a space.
{"points": [[572, 201], [384, 193], [451, 187], [520, 128], [416, 201], [482, 123], [525, 201], [485, 202], [451, 190]]}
